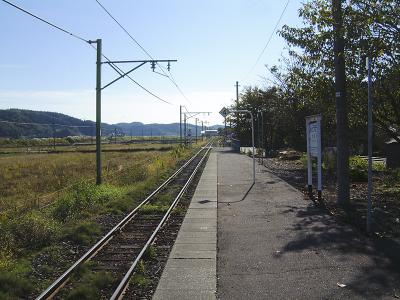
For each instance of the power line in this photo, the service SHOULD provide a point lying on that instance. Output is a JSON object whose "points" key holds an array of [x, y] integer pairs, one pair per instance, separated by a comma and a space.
{"points": [[116, 68], [269, 39], [46, 22], [143, 49]]}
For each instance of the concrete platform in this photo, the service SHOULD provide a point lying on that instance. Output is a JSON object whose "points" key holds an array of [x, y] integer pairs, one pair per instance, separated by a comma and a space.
{"points": [[190, 272], [274, 244]]}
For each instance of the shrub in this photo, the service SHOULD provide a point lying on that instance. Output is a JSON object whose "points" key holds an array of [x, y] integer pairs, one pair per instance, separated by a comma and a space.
{"points": [[13, 286], [84, 233], [82, 197], [358, 168], [32, 230]]}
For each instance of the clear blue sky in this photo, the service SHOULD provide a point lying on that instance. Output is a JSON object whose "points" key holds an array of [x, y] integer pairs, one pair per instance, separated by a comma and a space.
{"points": [[215, 43]]}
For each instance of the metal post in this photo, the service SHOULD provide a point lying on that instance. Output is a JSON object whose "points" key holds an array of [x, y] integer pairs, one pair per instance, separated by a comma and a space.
{"points": [[196, 130], [370, 132], [202, 129], [262, 138], [180, 124], [319, 161], [309, 162], [98, 113], [184, 126], [252, 138]]}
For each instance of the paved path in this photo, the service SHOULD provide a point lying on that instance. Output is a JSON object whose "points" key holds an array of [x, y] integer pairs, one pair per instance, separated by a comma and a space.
{"points": [[190, 272], [273, 244]]}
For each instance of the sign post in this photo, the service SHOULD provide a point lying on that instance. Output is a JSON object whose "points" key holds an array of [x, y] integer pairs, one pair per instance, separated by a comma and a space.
{"points": [[314, 149]]}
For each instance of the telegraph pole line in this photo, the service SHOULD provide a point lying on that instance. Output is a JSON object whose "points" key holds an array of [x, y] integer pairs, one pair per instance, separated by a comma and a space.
{"points": [[343, 194]]}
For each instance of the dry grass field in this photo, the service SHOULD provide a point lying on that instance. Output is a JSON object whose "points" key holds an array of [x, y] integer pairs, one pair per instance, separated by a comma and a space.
{"points": [[29, 180], [34, 237]]}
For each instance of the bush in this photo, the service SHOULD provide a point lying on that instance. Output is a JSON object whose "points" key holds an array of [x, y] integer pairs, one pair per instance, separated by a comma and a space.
{"points": [[84, 196], [14, 287], [84, 233], [358, 168], [32, 230]]}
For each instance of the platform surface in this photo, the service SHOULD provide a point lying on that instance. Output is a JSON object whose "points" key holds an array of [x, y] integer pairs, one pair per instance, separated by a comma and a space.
{"points": [[190, 272], [266, 241], [275, 244]]}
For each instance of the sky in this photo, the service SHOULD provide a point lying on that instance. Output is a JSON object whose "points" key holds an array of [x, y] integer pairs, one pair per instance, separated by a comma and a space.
{"points": [[216, 43]]}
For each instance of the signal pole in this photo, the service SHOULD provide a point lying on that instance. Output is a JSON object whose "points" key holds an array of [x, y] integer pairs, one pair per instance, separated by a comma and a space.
{"points": [[343, 194]]}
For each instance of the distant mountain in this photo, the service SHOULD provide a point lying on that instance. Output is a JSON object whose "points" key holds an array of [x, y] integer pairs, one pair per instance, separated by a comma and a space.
{"points": [[18, 123]]}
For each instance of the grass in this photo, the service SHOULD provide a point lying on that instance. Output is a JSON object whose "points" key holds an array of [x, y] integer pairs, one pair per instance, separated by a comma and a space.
{"points": [[39, 175], [27, 234]]}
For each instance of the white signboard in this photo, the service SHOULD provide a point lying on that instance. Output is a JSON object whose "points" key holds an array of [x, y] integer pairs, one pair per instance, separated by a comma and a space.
{"points": [[314, 149], [313, 134]]}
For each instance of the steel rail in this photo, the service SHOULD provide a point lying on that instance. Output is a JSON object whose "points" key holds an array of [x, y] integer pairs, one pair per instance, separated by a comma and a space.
{"points": [[118, 293], [60, 281]]}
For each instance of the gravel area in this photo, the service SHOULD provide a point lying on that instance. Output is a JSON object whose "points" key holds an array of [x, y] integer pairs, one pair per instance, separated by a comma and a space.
{"points": [[386, 204]]}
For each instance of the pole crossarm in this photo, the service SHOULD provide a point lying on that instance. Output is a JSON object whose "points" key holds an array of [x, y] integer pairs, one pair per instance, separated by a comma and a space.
{"points": [[139, 61], [195, 113], [123, 75]]}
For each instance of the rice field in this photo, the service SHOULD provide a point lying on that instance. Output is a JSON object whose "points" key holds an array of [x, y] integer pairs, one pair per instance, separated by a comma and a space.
{"points": [[36, 179]]}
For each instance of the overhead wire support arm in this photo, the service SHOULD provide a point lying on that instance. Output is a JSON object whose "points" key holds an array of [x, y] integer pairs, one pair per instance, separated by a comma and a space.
{"points": [[123, 75], [139, 61]]}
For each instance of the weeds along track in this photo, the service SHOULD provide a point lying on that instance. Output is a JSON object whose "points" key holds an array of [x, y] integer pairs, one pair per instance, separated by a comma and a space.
{"points": [[105, 271]]}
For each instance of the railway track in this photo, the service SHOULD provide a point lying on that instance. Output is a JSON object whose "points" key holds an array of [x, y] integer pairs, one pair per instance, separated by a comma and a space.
{"points": [[119, 252]]}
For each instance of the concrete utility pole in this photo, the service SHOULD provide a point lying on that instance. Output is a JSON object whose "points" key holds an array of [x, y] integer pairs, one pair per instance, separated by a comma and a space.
{"points": [[237, 93], [180, 124], [202, 130], [370, 136], [343, 194], [184, 127], [98, 112], [196, 130]]}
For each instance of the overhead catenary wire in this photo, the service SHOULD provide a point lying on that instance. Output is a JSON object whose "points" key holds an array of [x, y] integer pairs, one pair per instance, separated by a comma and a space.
{"points": [[84, 40], [269, 39], [47, 22], [170, 77]]}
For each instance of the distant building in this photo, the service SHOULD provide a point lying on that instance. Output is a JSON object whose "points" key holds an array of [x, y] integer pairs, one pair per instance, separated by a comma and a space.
{"points": [[209, 132]]}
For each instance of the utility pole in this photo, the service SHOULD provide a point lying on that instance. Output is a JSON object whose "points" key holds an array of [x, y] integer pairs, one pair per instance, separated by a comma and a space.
{"points": [[98, 112], [237, 93], [237, 104], [184, 127], [99, 88], [196, 130], [202, 130], [343, 194], [180, 124], [370, 136]]}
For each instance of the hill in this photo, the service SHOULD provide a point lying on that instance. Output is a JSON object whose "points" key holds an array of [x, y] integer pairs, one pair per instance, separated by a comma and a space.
{"points": [[19, 123]]}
